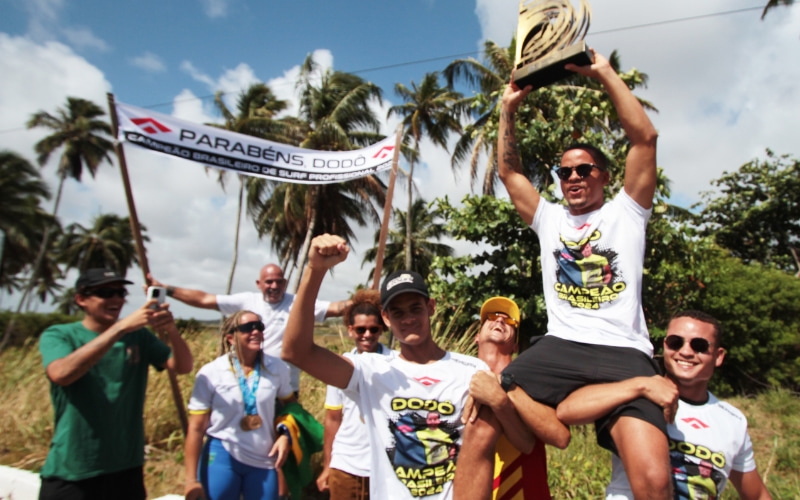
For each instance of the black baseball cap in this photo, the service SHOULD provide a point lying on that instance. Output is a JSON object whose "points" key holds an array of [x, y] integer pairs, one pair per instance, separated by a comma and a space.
{"points": [[99, 276], [402, 282]]}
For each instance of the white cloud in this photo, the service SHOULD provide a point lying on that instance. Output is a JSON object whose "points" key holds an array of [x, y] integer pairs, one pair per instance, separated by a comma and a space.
{"points": [[498, 20], [149, 62], [44, 75], [725, 86], [187, 106], [44, 24], [234, 81], [44, 16], [215, 8], [230, 83], [83, 38], [198, 75]]}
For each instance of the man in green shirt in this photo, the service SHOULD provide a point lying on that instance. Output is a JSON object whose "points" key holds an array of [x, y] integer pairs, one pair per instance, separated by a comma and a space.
{"points": [[97, 369]]}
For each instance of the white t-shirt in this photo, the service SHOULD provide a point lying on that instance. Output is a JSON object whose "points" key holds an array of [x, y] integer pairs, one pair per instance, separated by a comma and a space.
{"points": [[592, 267], [350, 451], [274, 317], [413, 415], [706, 442], [216, 389]]}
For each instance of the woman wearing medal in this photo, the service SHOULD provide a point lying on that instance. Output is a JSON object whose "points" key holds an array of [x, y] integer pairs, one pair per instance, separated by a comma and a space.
{"points": [[233, 404]]}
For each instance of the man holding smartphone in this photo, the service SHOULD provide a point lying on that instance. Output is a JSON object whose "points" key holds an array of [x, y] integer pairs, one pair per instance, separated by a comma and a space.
{"points": [[97, 369], [272, 303]]}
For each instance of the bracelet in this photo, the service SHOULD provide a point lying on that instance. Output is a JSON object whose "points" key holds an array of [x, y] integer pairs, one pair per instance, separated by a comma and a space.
{"points": [[170, 291], [282, 430]]}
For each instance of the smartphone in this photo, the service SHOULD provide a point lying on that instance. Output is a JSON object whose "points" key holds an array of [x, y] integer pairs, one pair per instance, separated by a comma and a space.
{"points": [[156, 292]]}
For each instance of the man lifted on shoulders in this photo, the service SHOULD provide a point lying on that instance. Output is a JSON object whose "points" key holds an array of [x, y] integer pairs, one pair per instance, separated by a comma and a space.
{"points": [[592, 256]]}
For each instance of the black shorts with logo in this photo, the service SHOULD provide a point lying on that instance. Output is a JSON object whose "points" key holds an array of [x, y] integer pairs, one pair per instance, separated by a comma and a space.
{"points": [[552, 368]]}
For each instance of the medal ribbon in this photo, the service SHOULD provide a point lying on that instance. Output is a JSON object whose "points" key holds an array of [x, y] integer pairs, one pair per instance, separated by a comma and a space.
{"points": [[248, 393]]}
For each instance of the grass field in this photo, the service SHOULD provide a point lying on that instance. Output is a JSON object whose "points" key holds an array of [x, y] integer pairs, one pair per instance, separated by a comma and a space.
{"points": [[579, 472]]}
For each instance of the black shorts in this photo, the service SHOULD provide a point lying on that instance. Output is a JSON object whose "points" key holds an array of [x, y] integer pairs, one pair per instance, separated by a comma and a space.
{"points": [[551, 368], [127, 484]]}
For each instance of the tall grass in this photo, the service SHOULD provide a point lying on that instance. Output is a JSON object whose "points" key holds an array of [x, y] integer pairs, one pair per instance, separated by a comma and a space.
{"points": [[579, 472]]}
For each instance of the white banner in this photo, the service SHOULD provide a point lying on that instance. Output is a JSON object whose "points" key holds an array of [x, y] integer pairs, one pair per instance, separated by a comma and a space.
{"points": [[246, 154]]}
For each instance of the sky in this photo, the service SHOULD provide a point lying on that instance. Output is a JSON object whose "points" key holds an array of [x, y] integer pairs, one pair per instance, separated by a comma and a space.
{"points": [[724, 82]]}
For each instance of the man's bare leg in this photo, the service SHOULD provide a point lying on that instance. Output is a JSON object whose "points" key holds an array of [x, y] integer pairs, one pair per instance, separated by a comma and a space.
{"points": [[475, 464], [644, 451]]}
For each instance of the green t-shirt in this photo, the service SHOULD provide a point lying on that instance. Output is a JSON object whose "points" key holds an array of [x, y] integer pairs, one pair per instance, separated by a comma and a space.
{"points": [[98, 419]]}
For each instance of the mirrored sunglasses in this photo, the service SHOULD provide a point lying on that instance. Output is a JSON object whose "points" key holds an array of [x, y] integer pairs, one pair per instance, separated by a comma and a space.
{"points": [[698, 345], [249, 327], [504, 319], [107, 293], [583, 170], [361, 330]]}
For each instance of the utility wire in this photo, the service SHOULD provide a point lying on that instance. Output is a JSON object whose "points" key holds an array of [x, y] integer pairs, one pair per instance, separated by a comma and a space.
{"points": [[476, 52], [678, 20]]}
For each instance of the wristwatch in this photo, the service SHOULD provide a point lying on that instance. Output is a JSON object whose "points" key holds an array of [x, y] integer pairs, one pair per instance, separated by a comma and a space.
{"points": [[507, 381]]}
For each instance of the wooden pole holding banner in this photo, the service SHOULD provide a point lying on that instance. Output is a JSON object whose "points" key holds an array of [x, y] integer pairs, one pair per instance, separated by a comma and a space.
{"points": [[140, 252], [387, 215], [387, 212]]}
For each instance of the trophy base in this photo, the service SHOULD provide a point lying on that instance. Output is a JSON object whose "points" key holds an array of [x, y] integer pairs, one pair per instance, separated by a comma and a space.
{"points": [[550, 68]]}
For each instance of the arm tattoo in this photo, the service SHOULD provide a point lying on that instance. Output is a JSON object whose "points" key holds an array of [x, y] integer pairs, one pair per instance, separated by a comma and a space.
{"points": [[510, 150]]}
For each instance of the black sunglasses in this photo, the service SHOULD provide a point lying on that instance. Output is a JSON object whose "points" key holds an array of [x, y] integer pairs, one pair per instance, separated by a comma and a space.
{"points": [[249, 327], [107, 293], [584, 169], [698, 345], [361, 330]]}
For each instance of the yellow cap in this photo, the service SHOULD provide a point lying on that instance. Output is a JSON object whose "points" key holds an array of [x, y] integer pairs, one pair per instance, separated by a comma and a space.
{"points": [[500, 305]]}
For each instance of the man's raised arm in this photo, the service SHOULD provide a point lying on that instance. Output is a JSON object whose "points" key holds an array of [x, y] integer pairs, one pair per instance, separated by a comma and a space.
{"points": [[298, 339], [194, 298], [640, 165], [509, 167]]}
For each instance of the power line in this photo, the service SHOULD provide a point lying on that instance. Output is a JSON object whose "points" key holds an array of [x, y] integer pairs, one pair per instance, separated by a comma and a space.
{"points": [[678, 20], [476, 52]]}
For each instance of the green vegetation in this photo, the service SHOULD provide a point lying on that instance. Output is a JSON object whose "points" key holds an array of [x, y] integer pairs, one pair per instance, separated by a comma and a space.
{"points": [[426, 231], [430, 110]]}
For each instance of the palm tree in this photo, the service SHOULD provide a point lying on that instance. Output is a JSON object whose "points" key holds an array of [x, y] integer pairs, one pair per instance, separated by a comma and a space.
{"points": [[431, 110], [256, 109], [280, 215], [771, 4], [490, 79], [108, 244], [65, 303], [336, 109], [22, 219], [78, 130], [425, 229]]}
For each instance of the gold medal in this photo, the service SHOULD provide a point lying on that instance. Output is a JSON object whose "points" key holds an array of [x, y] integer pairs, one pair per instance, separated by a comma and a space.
{"points": [[250, 422]]}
